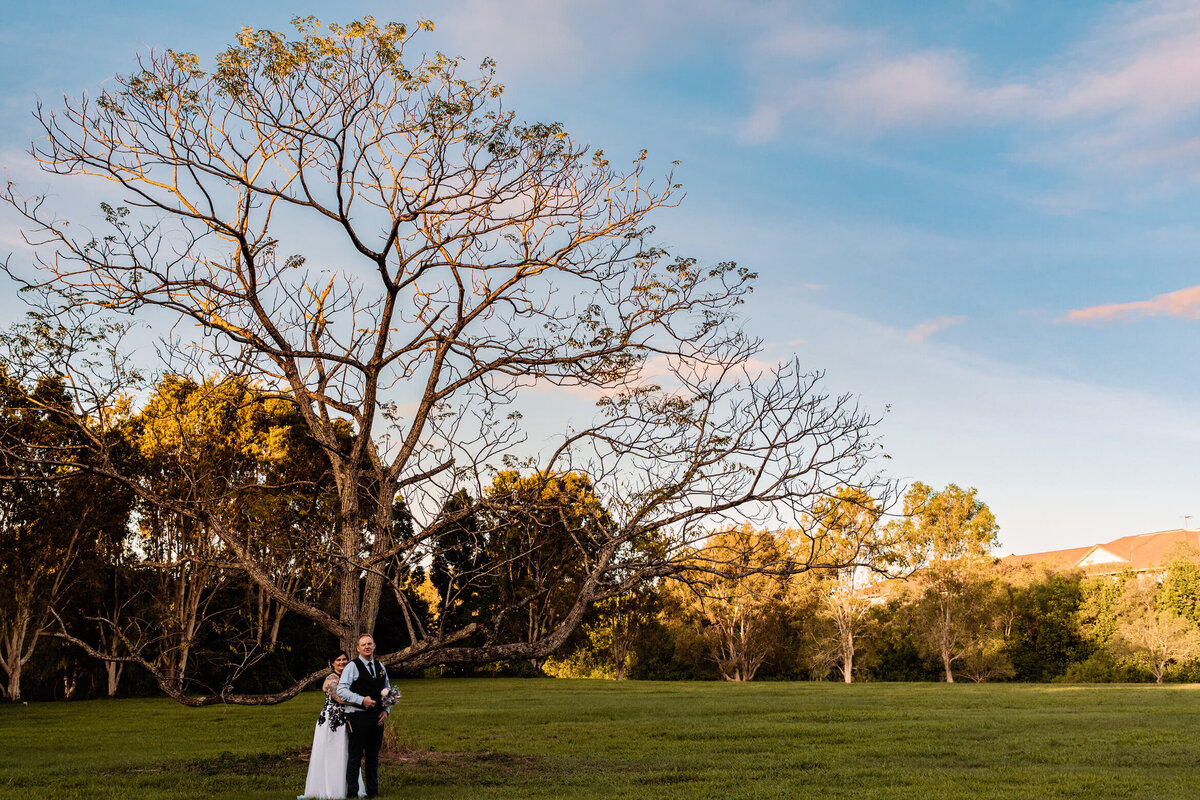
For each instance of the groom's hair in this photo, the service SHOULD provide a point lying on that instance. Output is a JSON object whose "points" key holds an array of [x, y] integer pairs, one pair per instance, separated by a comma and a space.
{"points": [[333, 656]]}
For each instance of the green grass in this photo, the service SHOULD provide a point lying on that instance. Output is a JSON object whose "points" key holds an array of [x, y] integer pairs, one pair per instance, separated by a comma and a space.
{"points": [[591, 739]]}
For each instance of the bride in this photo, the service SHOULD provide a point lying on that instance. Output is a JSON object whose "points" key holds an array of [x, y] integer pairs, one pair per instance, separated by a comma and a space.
{"points": [[327, 765]]}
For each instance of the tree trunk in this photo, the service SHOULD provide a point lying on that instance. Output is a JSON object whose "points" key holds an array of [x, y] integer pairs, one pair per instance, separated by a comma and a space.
{"points": [[382, 540], [274, 635], [848, 656], [190, 623], [12, 650], [14, 679], [113, 670], [946, 656], [349, 613]]}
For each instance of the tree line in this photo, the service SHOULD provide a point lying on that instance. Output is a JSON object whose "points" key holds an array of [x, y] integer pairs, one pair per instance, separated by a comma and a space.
{"points": [[928, 602], [103, 593], [990, 621], [92, 569]]}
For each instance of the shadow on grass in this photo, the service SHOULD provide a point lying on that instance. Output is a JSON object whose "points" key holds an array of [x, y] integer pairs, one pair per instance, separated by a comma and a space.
{"points": [[464, 767], [229, 763]]}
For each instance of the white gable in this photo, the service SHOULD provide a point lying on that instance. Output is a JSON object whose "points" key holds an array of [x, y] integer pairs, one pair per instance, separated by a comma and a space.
{"points": [[1099, 555]]}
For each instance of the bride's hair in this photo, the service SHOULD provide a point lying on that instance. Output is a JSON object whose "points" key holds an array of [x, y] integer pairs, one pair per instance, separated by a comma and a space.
{"points": [[333, 656]]}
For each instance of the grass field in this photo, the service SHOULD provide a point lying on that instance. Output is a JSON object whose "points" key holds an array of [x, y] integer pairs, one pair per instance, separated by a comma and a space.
{"points": [[592, 739]]}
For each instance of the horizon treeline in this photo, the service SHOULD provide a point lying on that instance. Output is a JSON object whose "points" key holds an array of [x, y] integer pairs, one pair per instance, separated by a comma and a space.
{"points": [[89, 572]]}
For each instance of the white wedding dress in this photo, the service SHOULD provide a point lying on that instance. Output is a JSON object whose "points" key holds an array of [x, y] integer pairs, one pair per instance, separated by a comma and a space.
{"points": [[330, 751]]}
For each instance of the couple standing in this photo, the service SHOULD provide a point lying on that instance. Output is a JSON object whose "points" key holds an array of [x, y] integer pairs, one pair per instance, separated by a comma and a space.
{"points": [[350, 727]]}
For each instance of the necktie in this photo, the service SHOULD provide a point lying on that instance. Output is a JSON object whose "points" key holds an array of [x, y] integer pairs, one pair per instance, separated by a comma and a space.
{"points": [[371, 668]]}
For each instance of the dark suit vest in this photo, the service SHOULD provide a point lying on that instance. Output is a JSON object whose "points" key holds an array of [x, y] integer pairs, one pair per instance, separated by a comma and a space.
{"points": [[366, 686]]}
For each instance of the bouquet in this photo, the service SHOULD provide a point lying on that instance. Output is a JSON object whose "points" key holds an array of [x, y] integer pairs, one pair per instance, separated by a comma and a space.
{"points": [[390, 697]]}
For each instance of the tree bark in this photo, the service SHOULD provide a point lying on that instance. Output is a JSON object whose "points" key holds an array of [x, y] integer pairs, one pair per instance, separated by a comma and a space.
{"points": [[13, 690], [113, 674]]}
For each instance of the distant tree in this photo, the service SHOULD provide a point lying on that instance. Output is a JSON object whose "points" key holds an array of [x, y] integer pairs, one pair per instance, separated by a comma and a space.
{"points": [[115, 597], [1099, 613], [221, 453], [513, 566], [738, 606], [545, 532], [845, 534], [170, 594], [946, 536], [983, 625], [895, 650], [53, 512], [1151, 635], [1044, 635], [1179, 592], [460, 571], [609, 642], [616, 630]]}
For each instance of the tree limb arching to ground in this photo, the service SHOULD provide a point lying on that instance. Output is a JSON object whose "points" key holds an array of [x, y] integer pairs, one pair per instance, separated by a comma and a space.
{"points": [[481, 257]]}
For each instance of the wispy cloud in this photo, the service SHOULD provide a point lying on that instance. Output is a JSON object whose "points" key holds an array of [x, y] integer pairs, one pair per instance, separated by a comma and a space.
{"points": [[921, 332], [1125, 97], [1184, 303], [560, 43], [871, 94], [949, 405]]}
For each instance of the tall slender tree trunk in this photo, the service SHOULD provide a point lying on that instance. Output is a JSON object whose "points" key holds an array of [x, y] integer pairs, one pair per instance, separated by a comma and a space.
{"points": [[191, 598], [14, 680], [382, 541], [12, 650], [275, 622], [349, 612], [946, 655], [113, 670]]}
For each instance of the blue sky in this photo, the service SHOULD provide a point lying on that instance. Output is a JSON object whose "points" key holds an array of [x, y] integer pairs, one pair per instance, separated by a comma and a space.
{"points": [[981, 216]]}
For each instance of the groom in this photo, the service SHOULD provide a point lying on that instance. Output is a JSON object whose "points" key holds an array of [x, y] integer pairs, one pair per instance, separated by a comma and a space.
{"points": [[363, 681]]}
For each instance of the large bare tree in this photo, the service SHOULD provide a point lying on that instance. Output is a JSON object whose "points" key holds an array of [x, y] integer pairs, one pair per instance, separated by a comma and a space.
{"points": [[356, 227]]}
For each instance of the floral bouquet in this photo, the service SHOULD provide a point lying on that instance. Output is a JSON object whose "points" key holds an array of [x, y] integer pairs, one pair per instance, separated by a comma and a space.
{"points": [[390, 697]]}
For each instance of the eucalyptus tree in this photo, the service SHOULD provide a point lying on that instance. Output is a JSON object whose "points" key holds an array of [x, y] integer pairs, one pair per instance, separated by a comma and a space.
{"points": [[737, 592], [517, 568], [846, 535], [1151, 633], [367, 232], [220, 445], [946, 537], [53, 515]]}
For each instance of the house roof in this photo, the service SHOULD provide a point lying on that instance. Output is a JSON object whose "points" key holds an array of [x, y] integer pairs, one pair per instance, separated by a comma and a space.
{"points": [[1139, 553]]}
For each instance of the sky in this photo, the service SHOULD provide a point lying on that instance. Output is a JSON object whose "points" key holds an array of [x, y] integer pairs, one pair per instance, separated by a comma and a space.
{"points": [[979, 217]]}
